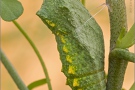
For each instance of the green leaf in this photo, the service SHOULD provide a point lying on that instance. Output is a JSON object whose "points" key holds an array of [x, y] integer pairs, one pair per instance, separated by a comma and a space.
{"points": [[128, 40], [132, 87], [10, 9], [37, 83], [122, 33]]}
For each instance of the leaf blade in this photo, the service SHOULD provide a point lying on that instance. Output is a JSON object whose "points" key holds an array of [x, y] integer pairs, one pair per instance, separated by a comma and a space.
{"points": [[37, 83], [128, 40], [10, 9]]}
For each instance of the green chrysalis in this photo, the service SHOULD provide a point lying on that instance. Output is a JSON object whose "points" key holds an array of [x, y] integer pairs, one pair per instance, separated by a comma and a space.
{"points": [[80, 43]]}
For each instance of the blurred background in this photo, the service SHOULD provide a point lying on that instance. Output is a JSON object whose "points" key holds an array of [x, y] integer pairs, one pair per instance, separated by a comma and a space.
{"points": [[23, 58]]}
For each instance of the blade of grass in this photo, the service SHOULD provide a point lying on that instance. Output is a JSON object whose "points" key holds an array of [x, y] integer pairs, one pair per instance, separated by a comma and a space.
{"points": [[11, 70], [37, 83], [37, 53]]}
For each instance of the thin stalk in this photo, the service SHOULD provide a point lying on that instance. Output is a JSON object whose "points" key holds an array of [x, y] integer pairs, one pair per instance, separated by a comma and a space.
{"points": [[83, 2], [118, 21], [11, 70], [37, 53]]}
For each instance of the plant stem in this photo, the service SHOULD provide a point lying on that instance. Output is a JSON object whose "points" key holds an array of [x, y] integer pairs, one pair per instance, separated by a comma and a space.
{"points": [[12, 72], [37, 53], [118, 21], [83, 2]]}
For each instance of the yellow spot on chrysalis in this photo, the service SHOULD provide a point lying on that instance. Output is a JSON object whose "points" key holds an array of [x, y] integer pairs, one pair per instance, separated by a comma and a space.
{"points": [[69, 58], [71, 70], [65, 49], [57, 33], [50, 23], [76, 83], [79, 89], [62, 39]]}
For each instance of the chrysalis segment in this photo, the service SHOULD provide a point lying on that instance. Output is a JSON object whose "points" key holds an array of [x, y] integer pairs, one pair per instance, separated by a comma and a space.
{"points": [[86, 80], [77, 60], [98, 86], [80, 44]]}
